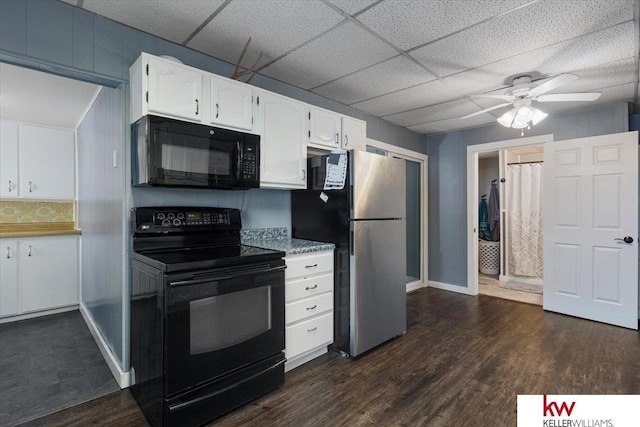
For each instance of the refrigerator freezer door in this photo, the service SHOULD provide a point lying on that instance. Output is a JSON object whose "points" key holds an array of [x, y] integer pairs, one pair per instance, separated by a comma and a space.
{"points": [[379, 186], [378, 292]]}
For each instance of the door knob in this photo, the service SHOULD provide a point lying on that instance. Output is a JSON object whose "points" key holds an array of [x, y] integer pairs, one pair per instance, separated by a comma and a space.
{"points": [[626, 239]]}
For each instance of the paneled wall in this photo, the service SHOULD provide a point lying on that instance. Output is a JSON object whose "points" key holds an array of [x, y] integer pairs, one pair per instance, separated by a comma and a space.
{"points": [[448, 179], [101, 216]]}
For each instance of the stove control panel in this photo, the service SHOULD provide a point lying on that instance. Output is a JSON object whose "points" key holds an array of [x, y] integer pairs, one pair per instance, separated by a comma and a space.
{"points": [[190, 218], [185, 219]]}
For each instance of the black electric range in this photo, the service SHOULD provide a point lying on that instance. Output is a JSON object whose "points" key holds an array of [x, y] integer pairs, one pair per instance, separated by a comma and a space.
{"points": [[207, 315]]}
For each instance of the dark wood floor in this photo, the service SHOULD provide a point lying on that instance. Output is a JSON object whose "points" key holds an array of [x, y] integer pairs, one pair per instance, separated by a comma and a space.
{"points": [[462, 361]]}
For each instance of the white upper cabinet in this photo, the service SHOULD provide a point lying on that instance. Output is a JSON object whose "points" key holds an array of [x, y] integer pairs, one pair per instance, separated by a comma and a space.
{"points": [[231, 104], [8, 159], [324, 128], [46, 163], [283, 151], [174, 89], [354, 134], [332, 131]]}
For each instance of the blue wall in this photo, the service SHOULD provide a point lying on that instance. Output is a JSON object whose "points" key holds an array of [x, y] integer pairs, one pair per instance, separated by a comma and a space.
{"points": [[448, 179]]}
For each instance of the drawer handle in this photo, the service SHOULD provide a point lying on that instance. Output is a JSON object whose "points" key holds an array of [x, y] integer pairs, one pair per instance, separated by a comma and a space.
{"points": [[311, 266], [312, 329], [29, 253], [312, 308], [310, 288], [8, 252]]}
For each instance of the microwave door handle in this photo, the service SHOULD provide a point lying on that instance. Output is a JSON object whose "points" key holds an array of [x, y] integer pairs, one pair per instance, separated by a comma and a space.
{"points": [[239, 160]]}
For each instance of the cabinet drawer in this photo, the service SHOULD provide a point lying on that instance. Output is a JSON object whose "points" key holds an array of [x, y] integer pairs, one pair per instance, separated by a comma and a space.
{"points": [[304, 288], [309, 334], [308, 307], [304, 265]]}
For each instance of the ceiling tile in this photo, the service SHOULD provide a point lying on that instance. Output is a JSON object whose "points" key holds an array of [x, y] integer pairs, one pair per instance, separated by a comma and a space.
{"points": [[341, 51], [429, 93], [529, 28], [275, 27], [588, 51], [389, 76], [173, 21], [411, 23], [352, 6], [453, 124], [446, 110]]}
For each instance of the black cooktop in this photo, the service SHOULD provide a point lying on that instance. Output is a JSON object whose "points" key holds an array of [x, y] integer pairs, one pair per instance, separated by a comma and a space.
{"points": [[184, 259]]}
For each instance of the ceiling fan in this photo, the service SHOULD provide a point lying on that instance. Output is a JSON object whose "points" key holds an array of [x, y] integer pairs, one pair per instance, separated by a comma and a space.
{"points": [[521, 94]]}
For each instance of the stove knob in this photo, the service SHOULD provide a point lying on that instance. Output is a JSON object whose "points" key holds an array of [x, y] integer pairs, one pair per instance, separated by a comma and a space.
{"points": [[166, 223], [171, 216], [180, 215], [177, 222], [160, 216]]}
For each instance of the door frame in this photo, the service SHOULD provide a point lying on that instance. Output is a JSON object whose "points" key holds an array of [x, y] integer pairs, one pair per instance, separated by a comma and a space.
{"points": [[472, 197], [422, 159]]}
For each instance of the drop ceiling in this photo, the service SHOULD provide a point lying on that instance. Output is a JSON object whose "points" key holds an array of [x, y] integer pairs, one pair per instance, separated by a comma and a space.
{"points": [[410, 62]]}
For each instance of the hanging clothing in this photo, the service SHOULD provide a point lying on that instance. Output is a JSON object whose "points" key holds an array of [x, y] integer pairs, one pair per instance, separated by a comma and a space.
{"points": [[483, 228], [494, 212], [525, 244]]}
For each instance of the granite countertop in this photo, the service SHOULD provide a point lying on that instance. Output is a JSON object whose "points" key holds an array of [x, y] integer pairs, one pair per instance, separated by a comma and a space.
{"points": [[277, 239], [38, 229]]}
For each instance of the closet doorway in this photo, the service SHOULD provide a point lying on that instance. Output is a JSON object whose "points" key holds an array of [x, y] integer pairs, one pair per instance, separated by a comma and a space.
{"points": [[505, 200]]}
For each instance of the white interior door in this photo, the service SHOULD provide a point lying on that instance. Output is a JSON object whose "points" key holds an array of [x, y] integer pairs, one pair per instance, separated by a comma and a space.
{"points": [[591, 192]]}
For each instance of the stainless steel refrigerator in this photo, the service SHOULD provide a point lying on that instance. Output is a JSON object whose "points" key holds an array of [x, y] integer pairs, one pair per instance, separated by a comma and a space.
{"points": [[366, 222]]}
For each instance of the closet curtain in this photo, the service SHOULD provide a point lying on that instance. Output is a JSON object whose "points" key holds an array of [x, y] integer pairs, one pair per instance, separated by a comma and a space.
{"points": [[525, 219]]}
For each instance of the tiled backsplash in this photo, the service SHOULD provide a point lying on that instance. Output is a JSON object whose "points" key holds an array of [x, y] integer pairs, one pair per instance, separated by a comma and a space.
{"points": [[17, 212]]}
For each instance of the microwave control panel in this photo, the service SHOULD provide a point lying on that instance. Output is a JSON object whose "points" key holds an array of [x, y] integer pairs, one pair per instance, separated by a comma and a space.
{"points": [[249, 163]]}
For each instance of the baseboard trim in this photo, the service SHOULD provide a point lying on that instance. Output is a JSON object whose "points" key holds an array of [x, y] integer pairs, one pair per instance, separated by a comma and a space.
{"points": [[121, 377], [450, 287], [413, 286], [37, 314]]}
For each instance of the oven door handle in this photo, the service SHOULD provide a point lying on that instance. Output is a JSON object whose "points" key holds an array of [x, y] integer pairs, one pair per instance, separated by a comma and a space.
{"points": [[226, 276]]}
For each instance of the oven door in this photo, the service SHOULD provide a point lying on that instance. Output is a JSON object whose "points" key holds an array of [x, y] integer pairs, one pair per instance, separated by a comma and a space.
{"points": [[220, 321], [191, 155]]}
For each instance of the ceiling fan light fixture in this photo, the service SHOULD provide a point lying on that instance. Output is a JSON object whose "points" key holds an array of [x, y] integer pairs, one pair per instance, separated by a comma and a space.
{"points": [[517, 124], [537, 116], [507, 118], [524, 114]]}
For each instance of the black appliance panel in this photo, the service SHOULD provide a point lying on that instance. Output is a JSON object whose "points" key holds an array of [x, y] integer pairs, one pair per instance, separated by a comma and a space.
{"points": [[168, 152], [217, 322]]}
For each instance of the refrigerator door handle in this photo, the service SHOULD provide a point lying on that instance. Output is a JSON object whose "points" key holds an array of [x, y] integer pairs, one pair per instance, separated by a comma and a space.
{"points": [[351, 242]]}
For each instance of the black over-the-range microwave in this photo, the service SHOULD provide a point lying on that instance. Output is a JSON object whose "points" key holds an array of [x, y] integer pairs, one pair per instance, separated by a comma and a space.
{"points": [[174, 153]]}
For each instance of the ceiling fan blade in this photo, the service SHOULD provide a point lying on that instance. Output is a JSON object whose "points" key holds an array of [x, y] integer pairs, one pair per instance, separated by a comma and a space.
{"points": [[560, 97], [488, 95], [552, 84], [485, 110]]}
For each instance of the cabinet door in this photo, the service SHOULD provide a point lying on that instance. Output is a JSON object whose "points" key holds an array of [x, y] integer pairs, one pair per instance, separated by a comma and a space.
{"points": [[231, 104], [8, 159], [354, 134], [8, 277], [46, 163], [174, 90], [48, 272], [324, 128], [283, 152]]}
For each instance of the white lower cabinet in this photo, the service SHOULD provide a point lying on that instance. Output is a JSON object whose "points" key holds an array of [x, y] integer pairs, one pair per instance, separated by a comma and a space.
{"points": [[38, 274], [309, 306]]}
